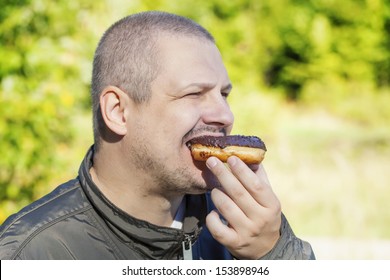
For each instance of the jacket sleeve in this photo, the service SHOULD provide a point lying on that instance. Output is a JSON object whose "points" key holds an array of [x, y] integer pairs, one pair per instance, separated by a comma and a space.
{"points": [[289, 247]]}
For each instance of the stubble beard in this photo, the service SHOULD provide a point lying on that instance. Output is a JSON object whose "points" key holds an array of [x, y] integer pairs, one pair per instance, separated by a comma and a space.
{"points": [[170, 179]]}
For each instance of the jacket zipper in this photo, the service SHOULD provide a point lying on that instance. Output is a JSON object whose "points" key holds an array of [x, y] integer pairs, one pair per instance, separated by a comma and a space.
{"points": [[187, 247]]}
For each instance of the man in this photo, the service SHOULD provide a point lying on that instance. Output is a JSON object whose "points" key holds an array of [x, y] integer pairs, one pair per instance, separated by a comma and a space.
{"points": [[158, 81]]}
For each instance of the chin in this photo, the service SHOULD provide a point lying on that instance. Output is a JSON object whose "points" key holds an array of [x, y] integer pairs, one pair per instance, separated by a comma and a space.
{"points": [[202, 181]]}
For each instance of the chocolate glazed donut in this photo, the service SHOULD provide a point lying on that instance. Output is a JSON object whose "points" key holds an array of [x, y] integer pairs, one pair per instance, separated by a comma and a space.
{"points": [[250, 149]]}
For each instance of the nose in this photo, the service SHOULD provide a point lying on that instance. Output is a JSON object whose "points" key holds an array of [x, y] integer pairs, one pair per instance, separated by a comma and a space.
{"points": [[217, 111]]}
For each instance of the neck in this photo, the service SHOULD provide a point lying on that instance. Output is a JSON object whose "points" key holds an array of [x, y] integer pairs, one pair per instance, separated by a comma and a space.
{"points": [[132, 193]]}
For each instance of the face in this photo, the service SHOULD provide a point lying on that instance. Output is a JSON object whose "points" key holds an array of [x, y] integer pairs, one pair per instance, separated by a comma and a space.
{"points": [[188, 100]]}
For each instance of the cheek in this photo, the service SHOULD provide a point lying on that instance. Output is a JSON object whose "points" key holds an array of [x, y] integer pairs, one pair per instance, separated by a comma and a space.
{"points": [[166, 126], [182, 122]]}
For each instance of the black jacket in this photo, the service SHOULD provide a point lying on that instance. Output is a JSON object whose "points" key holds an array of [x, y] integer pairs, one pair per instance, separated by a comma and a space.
{"points": [[76, 221]]}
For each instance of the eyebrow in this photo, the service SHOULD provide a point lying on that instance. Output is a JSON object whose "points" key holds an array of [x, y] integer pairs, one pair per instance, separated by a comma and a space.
{"points": [[206, 85]]}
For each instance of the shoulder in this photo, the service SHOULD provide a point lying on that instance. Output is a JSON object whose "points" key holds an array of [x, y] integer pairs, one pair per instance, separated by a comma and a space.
{"points": [[38, 222]]}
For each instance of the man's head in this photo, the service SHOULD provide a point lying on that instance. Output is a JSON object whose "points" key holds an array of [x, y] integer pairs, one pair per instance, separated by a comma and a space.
{"points": [[127, 56], [164, 83]]}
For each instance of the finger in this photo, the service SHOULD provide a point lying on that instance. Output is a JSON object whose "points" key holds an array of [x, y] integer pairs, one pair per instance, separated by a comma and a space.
{"points": [[232, 186], [233, 214], [221, 232], [256, 183]]}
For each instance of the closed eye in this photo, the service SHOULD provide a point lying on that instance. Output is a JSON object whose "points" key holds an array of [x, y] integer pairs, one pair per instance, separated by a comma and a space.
{"points": [[225, 91], [193, 94]]}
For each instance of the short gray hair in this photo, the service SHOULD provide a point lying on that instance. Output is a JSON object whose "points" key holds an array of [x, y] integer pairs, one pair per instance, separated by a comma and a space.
{"points": [[126, 56]]}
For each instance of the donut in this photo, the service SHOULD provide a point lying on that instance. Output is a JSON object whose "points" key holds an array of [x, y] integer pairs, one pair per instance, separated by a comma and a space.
{"points": [[250, 149]]}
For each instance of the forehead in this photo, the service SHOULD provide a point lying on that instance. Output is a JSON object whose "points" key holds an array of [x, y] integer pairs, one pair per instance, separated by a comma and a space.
{"points": [[184, 59]]}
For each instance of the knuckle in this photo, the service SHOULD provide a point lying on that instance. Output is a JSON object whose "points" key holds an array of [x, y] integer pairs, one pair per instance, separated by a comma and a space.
{"points": [[238, 193], [225, 206], [218, 234], [257, 185], [278, 207]]}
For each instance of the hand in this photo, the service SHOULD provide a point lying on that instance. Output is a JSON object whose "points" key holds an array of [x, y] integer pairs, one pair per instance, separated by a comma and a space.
{"points": [[248, 204]]}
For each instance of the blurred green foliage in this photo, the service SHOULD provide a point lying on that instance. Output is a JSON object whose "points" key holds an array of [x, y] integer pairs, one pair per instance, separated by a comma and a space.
{"points": [[325, 54], [44, 56]]}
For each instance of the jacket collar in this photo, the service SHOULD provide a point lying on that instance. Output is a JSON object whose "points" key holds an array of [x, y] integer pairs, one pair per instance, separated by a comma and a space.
{"points": [[147, 239]]}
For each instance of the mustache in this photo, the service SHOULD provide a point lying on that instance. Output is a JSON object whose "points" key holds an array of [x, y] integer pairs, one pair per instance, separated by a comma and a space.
{"points": [[199, 130]]}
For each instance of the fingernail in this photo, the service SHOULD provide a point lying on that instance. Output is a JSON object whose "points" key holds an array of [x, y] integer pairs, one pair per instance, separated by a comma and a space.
{"points": [[211, 162]]}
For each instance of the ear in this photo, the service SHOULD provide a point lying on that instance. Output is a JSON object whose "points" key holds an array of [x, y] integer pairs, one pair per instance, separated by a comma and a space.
{"points": [[113, 106]]}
